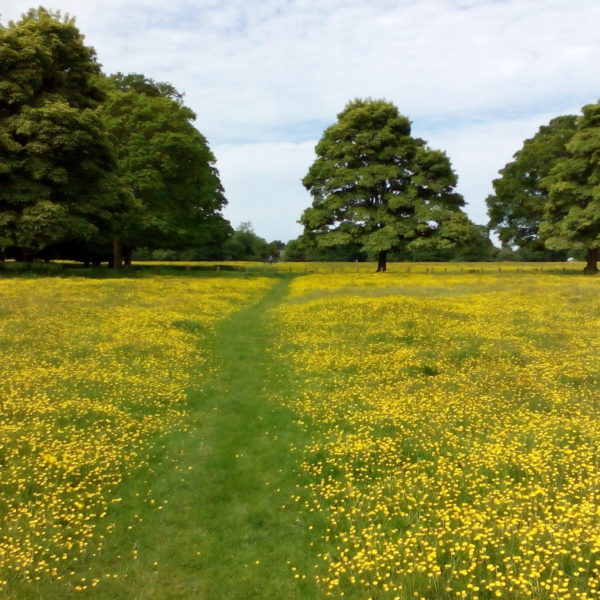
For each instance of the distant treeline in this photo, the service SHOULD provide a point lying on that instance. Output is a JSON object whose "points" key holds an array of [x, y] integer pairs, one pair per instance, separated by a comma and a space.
{"points": [[102, 168]]}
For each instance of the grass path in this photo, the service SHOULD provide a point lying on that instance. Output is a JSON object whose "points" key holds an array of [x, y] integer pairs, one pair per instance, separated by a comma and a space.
{"points": [[222, 534], [245, 459]]}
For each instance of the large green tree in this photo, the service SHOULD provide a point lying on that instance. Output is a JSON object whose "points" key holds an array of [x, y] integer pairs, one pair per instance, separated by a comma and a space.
{"points": [[517, 207], [571, 219], [56, 163], [167, 165], [374, 184]]}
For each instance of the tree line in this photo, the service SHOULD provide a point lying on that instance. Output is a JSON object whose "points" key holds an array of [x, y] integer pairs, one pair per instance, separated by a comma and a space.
{"points": [[94, 167], [378, 189]]}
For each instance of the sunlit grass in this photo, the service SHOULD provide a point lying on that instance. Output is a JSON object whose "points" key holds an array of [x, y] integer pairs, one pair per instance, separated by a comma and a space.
{"points": [[93, 375], [369, 267], [427, 433], [455, 432]]}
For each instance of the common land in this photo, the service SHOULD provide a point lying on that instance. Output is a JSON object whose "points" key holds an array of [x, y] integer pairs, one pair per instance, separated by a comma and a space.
{"points": [[257, 431]]}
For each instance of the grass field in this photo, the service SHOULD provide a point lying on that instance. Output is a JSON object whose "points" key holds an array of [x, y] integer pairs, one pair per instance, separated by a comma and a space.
{"points": [[345, 434]]}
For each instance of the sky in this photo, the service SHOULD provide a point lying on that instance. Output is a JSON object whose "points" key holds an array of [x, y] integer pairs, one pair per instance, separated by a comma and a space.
{"points": [[267, 77]]}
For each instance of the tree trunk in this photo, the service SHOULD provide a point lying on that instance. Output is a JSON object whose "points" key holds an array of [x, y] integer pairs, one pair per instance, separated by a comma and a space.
{"points": [[26, 256], [117, 261], [592, 261], [127, 256], [382, 261]]}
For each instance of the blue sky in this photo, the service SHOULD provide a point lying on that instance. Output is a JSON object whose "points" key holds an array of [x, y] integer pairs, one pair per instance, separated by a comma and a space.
{"points": [[476, 77]]}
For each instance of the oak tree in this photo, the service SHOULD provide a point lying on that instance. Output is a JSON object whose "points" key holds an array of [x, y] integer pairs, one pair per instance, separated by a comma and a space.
{"points": [[167, 165], [56, 163], [517, 207], [375, 184], [571, 219]]}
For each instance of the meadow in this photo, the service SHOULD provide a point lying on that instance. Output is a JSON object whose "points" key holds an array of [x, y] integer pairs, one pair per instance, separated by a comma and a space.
{"points": [[94, 374], [454, 427], [427, 433]]}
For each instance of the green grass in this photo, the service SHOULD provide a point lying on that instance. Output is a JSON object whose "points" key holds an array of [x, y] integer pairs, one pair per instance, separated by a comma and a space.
{"points": [[226, 527], [212, 516]]}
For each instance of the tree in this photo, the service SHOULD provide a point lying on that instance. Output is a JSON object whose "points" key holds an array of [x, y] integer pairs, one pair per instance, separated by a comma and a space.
{"points": [[374, 184], [56, 163], [306, 248], [166, 164], [571, 219], [244, 244], [276, 249], [517, 207], [476, 246]]}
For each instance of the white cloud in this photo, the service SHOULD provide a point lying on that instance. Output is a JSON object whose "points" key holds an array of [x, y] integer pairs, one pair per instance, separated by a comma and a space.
{"points": [[475, 76]]}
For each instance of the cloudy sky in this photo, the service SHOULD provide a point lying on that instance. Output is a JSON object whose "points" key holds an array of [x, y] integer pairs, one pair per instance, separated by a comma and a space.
{"points": [[266, 77]]}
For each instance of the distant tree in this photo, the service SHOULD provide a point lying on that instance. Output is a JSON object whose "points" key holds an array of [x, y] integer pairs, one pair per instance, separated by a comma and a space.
{"points": [[306, 248], [57, 165], [374, 184], [517, 207], [166, 164], [476, 246], [294, 252], [571, 219], [244, 244], [529, 254], [275, 249]]}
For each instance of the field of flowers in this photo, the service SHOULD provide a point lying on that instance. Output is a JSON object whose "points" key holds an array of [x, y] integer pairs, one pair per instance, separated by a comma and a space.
{"points": [[369, 267], [454, 426], [93, 375]]}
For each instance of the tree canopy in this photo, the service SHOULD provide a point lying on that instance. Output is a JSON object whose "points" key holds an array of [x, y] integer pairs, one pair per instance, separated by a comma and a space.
{"points": [[374, 184], [56, 162], [245, 244], [571, 219], [517, 207], [87, 161], [166, 164], [548, 198]]}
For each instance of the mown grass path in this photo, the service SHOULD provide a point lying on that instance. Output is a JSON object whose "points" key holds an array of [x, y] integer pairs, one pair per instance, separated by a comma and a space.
{"points": [[246, 468], [223, 532]]}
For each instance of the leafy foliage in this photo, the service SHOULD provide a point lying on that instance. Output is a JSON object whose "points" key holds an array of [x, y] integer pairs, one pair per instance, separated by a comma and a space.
{"points": [[517, 207], [136, 82], [306, 248], [56, 163], [167, 165], [571, 217], [244, 244], [375, 184]]}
